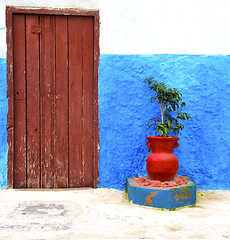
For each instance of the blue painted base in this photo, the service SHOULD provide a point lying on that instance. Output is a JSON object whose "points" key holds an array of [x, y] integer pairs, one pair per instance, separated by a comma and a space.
{"points": [[167, 198]]}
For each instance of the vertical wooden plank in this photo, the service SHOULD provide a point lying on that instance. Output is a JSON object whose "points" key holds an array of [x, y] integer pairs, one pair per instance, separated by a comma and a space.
{"points": [[10, 96], [88, 98], [61, 103], [75, 102], [47, 71], [19, 101], [33, 123], [96, 108]]}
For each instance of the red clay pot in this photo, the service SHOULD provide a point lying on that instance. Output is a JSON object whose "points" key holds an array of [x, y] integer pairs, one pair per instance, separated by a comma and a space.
{"points": [[162, 163]]}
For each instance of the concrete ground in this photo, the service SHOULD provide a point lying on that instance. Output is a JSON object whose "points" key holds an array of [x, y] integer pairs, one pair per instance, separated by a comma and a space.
{"points": [[107, 214]]}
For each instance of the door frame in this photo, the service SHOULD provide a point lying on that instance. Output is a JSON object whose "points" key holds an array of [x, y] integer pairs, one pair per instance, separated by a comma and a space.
{"points": [[10, 80]]}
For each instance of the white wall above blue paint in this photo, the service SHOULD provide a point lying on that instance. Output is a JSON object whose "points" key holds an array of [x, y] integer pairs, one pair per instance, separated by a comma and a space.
{"points": [[150, 26], [165, 26]]}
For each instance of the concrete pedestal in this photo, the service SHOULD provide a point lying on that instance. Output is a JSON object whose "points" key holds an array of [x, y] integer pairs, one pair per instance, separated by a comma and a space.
{"points": [[158, 197]]}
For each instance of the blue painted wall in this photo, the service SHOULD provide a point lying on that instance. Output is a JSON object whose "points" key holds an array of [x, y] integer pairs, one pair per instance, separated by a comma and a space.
{"points": [[3, 124], [125, 109]]}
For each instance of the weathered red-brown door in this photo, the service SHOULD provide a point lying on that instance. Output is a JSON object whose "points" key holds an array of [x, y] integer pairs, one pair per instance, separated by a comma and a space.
{"points": [[54, 115]]}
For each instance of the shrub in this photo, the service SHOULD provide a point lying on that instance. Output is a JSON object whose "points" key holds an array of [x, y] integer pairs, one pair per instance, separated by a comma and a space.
{"points": [[171, 105]]}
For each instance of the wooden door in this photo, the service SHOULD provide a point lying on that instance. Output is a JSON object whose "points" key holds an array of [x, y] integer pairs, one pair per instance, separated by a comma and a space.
{"points": [[54, 141]]}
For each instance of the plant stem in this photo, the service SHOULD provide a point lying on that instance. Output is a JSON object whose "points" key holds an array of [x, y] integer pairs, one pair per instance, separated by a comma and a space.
{"points": [[162, 108]]}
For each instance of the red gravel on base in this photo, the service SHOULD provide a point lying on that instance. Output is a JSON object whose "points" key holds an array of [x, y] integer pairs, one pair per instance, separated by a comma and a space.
{"points": [[146, 181]]}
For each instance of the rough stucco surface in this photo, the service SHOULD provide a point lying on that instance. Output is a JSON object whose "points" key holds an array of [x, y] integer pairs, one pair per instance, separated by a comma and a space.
{"points": [[125, 109], [3, 124]]}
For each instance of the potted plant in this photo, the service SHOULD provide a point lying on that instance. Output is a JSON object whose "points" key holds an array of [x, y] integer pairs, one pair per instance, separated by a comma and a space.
{"points": [[162, 163]]}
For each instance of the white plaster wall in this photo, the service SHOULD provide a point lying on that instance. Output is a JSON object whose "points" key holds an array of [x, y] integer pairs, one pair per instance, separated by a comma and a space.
{"points": [[149, 26]]}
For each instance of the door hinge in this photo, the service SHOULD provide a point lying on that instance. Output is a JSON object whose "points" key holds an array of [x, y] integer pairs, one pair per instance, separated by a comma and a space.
{"points": [[37, 29]]}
